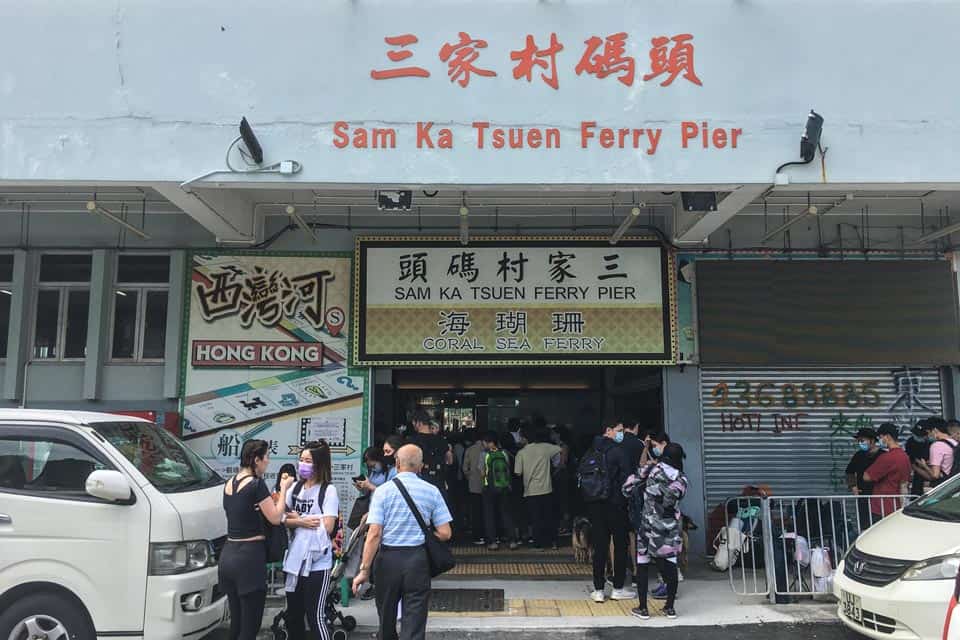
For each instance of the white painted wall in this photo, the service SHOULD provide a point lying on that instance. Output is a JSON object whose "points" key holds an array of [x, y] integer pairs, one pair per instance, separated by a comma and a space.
{"points": [[138, 90]]}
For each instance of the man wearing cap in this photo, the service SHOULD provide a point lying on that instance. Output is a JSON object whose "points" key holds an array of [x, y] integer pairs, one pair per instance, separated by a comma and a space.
{"points": [[942, 450], [918, 448], [889, 473], [866, 455]]}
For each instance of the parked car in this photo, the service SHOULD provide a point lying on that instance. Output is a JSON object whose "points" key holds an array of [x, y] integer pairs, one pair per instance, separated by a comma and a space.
{"points": [[109, 527], [898, 578], [951, 627]]}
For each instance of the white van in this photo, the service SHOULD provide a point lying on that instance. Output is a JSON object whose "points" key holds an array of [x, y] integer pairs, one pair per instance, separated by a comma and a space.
{"points": [[897, 579], [110, 527]]}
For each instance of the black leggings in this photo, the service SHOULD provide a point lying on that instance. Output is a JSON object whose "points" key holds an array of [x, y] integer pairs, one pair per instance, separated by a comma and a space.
{"points": [[669, 573], [309, 600], [246, 614]]}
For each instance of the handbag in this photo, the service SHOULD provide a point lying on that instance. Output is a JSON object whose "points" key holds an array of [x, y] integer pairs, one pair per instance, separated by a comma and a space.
{"points": [[360, 508], [277, 535], [439, 555]]}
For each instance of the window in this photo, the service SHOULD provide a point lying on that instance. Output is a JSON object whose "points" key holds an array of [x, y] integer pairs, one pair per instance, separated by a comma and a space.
{"points": [[45, 467], [63, 302], [167, 463], [6, 295], [140, 307]]}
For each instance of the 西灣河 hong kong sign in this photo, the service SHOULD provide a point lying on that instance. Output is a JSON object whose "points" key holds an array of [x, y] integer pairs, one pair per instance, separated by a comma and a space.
{"points": [[551, 300]]}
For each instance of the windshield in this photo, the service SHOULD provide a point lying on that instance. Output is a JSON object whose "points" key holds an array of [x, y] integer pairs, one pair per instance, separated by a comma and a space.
{"points": [[943, 503], [167, 463]]}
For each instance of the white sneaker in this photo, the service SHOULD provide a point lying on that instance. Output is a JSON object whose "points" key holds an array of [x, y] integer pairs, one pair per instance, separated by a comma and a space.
{"points": [[679, 576], [598, 596], [623, 594]]}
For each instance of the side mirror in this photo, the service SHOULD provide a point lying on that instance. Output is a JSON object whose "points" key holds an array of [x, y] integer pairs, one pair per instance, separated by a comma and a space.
{"points": [[108, 485]]}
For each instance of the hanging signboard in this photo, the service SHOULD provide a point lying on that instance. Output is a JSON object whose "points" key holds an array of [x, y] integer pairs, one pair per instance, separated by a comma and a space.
{"points": [[551, 300], [265, 356]]}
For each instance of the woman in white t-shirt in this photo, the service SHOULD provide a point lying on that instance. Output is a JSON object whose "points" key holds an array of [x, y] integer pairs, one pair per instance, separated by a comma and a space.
{"points": [[309, 559]]}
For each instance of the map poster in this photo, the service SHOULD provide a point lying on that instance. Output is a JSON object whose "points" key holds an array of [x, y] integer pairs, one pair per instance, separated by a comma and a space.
{"points": [[548, 300]]}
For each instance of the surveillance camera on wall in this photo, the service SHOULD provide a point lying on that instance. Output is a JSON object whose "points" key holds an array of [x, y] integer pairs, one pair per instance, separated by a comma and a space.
{"points": [[250, 141], [394, 200]]}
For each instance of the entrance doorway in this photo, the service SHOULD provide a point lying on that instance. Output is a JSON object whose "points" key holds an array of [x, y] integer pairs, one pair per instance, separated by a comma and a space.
{"points": [[571, 403]]}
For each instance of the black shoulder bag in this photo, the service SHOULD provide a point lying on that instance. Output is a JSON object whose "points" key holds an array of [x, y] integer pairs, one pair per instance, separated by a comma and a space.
{"points": [[277, 535], [438, 553]]}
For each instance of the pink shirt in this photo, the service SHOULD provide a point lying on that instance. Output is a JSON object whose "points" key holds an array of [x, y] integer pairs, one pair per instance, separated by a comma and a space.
{"points": [[941, 455]]}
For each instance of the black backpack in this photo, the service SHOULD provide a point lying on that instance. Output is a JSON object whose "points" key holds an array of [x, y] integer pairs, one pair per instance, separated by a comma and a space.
{"points": [[592, 476], [635, 504], [955, 469], [434, 459]]}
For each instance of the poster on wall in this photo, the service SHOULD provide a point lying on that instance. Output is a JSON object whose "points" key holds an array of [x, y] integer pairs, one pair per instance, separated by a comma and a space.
{"points": [[265, 356], [536, 301]]}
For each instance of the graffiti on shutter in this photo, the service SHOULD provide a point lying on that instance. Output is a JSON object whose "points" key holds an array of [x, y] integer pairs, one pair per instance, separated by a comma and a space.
{"points": [[793, 429]]}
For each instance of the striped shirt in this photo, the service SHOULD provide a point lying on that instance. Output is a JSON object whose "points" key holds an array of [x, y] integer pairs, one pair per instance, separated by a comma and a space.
{"points": [[389, 509]]}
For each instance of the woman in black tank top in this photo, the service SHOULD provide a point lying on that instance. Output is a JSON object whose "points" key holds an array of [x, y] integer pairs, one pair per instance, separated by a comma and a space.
{"points": [[243, 563]]}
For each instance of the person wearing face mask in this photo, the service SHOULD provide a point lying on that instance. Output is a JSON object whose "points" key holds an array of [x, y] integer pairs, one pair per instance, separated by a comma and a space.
{"points": [[865, 455], [889, 473], [309, 559], [660, 537], [390, 448], [608, 514]]}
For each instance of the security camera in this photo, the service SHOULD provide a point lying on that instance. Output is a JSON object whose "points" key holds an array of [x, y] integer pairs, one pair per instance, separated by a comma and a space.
{"points": [[394, 200]]}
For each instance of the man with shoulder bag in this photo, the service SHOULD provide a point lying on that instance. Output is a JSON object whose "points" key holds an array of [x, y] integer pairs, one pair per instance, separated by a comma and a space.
{"points": [[402, 550]]}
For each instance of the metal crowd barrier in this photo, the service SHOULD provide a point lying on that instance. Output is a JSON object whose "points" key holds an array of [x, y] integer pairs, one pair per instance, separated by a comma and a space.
{"points": [[785, 547]]}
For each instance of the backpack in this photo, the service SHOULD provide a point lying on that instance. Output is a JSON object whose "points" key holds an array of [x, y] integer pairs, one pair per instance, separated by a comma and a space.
{"points": [[434, 459], [635, 504], [592, 476], [498, 471]]}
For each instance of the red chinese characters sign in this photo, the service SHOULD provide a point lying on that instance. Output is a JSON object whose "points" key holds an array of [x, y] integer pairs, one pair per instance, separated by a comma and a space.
{"points": [[670, 57]]}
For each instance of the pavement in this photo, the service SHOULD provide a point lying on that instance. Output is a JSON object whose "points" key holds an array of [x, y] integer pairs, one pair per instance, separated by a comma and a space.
{"points": [[538, 608]]}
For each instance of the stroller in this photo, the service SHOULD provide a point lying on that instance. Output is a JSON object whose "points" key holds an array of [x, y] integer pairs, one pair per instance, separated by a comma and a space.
{"points": [[348, 562]]}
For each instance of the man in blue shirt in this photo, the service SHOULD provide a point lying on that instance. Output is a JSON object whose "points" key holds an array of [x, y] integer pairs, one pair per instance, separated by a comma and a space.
{"points": [[401, 570]]}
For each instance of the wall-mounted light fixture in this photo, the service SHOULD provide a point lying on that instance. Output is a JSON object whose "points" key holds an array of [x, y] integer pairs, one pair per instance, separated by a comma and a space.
{"points": [[809, 143], [300, 222], [625, 225], [464, 225], [94, 207]]}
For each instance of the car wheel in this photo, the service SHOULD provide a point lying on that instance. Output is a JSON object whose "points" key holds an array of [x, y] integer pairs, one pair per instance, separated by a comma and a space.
{"points": [[44, 616]]}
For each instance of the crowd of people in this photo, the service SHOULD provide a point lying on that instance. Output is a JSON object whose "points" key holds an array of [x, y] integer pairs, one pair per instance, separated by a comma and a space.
{"points": [[520, 488], [883, 467]]}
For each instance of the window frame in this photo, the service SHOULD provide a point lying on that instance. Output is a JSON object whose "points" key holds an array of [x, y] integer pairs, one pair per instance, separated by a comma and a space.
{"points": [[7, 286], [23, 432], [64, 289], [62, 310], [143, 289]]}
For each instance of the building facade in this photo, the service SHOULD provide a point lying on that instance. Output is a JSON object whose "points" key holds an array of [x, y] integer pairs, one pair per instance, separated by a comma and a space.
{"points": [[149, 263]]}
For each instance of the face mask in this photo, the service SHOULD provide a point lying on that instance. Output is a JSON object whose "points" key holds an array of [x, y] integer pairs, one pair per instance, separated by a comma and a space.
{"points": [[378, 467], [919, 438], [864, 446], [389, 461], [657, 452], [305, 469], [618, 436], [883, 446]]}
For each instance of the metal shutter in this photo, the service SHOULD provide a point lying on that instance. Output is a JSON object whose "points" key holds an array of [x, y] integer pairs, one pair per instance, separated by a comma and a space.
{"points": [[742, 445]]}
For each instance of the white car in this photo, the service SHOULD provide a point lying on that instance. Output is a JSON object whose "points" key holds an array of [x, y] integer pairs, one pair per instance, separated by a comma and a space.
{"points": [[109, 528], [897, 580]]}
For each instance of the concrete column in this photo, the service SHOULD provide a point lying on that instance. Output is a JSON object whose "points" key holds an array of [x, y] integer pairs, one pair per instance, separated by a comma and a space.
{"points": [[18, 334], [98, 322], [681, 408], [176, 303]]}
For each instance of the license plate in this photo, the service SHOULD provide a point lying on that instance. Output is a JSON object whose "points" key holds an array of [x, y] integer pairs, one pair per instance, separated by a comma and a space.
{"points": [[851, 606]]}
